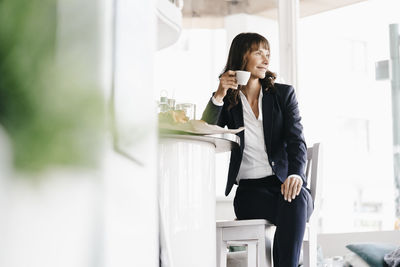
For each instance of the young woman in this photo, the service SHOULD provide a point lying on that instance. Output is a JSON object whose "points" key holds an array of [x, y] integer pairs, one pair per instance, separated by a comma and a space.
{"points": [[269, 165]]}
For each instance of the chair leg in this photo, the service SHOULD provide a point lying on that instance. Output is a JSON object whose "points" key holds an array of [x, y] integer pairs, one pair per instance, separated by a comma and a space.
{"points": [[261, 251], [310, 252], [252, 255], [262, 258], [269, 232], [222, 247]]}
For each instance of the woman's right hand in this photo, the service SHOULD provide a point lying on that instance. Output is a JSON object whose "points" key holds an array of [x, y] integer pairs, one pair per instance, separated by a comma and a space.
{"points": [[226, 81]]}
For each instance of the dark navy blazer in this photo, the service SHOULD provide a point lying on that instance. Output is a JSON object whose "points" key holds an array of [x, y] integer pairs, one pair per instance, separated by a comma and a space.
{"points": [[283, 132]]}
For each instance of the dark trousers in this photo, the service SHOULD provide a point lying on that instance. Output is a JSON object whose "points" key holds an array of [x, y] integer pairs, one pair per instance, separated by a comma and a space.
{"points": [[262, 199]]}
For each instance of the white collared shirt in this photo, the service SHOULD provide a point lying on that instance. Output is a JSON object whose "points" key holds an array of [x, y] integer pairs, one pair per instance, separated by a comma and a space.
{"points": [[255, 162]]}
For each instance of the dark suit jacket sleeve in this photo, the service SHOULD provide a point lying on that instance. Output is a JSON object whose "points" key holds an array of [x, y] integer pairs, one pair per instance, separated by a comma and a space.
{"points": [[293, 130], [214, 114]]}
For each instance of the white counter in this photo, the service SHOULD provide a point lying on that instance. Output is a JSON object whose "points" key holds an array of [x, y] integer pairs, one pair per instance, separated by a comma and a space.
{"points": [[187, 197]]}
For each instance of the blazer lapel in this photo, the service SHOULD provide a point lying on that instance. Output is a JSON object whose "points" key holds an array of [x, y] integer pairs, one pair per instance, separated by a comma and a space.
{"points": [[268, 119], [237, 114]]}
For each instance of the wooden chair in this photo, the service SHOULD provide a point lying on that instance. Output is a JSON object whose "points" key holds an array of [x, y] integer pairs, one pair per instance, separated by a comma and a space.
{"points": [[254, 233]]}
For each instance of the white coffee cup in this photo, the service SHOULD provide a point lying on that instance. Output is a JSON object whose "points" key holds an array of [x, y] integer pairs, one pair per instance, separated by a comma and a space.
{"points": [[242, 77]]}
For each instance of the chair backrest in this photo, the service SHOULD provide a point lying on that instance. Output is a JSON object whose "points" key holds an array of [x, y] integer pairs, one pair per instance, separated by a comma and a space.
{"points": [[313, 170]]}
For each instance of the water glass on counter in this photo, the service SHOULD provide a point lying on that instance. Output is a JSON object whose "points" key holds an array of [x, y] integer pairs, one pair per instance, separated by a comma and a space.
{"points": [[188, 108], [165, 104], [171, 103]]}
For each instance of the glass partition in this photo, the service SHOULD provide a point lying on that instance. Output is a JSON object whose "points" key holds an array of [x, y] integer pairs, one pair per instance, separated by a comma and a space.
{"points": [[349, 111]]}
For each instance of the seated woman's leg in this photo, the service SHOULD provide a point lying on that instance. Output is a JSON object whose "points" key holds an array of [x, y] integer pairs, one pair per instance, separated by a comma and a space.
{"points": [[290, 225]]}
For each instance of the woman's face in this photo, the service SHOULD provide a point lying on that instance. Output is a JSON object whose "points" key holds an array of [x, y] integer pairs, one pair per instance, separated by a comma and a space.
{"points": [[257, 63]]}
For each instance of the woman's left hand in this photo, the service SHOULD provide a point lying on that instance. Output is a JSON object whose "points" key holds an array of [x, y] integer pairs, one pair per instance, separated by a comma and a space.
{"points": [[291, 187]]}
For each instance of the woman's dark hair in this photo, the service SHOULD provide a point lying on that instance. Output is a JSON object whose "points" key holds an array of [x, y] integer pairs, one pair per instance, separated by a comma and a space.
{"points": [[242, 45]]}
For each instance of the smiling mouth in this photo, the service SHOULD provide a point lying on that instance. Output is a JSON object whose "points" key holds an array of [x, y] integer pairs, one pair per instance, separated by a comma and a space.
{"points": [[262, 68]]}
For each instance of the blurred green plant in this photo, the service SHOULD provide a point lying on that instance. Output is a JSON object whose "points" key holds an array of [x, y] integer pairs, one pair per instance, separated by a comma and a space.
{"points": [[51, 110]]}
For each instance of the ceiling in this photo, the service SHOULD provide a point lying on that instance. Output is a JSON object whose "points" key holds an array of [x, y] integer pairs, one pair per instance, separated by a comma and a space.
{"points": [[265, 8]]}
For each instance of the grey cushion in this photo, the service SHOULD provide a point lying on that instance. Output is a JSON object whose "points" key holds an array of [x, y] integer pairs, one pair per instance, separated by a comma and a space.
{"points": [[372, 253]]}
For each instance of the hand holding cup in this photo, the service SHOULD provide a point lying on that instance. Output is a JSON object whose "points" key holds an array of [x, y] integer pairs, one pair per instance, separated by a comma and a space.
{"points": [[231, 79], [226, 81]]}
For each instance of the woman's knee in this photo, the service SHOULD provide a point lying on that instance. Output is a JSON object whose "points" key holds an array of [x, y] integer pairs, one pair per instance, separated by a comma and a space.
{"points": [[306, 202], [302, 201]]}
